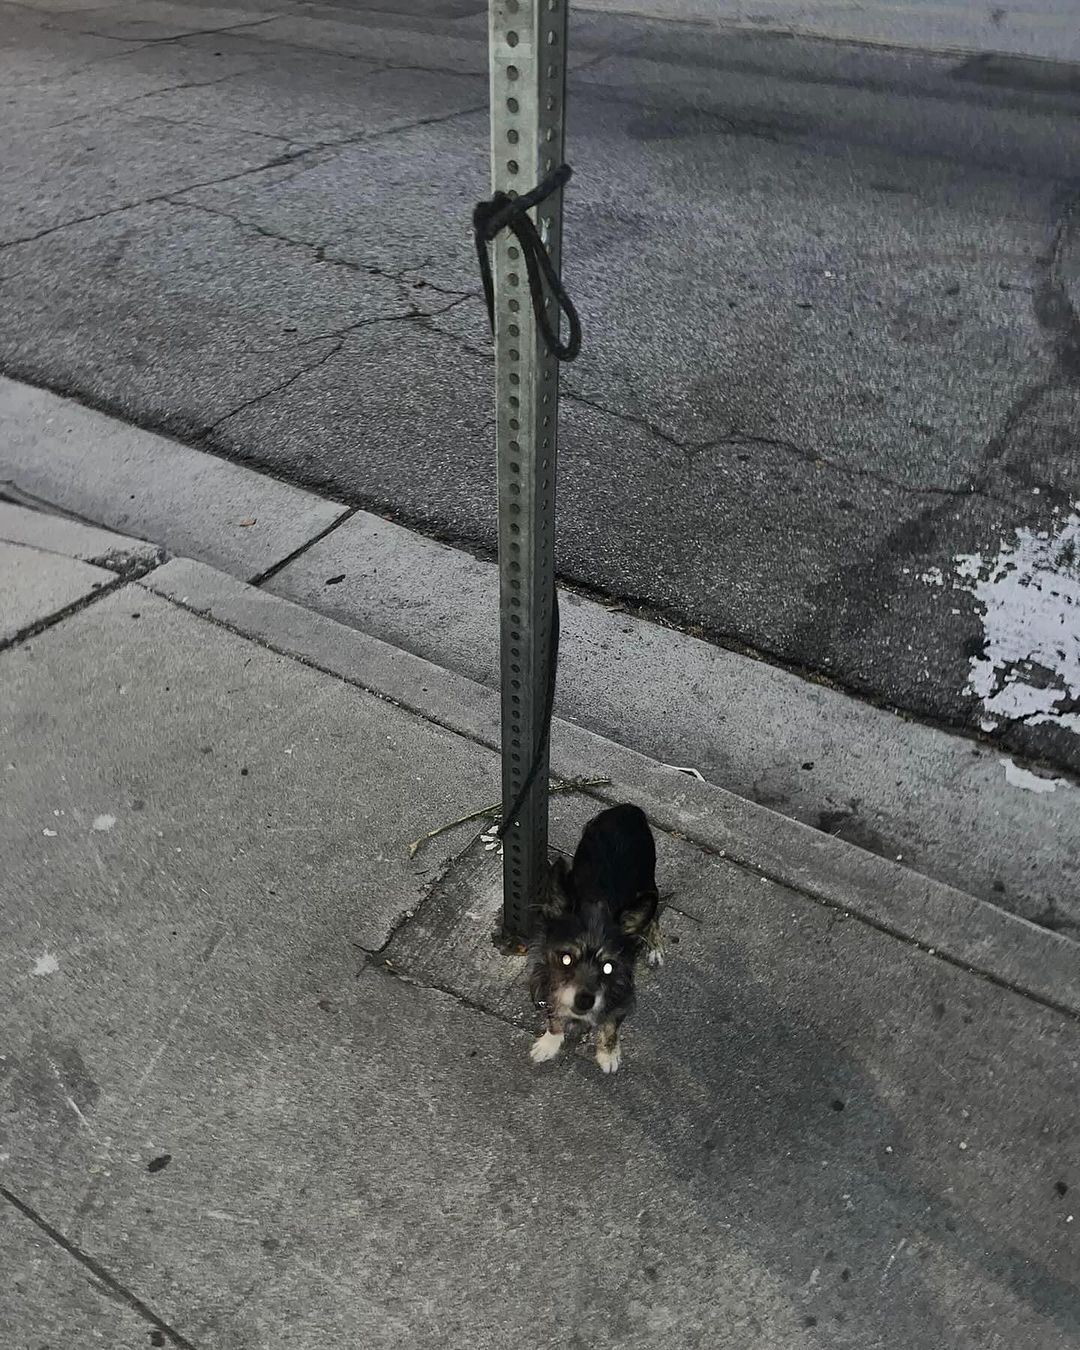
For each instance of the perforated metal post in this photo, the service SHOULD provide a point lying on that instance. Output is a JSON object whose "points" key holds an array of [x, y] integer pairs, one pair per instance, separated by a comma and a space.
{"points": [[528, 88]]}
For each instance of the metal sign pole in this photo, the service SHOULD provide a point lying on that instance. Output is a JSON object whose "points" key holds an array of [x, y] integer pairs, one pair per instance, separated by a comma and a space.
{"points": [[527, 43]]}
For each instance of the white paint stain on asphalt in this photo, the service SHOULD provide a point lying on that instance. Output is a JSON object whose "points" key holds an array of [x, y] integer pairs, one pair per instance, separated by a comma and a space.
{"points": [[46, 964], [1028, 596], [1030, 782], [104, 823]]}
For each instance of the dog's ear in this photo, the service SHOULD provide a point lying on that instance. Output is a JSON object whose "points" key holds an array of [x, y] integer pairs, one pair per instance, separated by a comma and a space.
{"points": [[560, 895], [637, 916]]}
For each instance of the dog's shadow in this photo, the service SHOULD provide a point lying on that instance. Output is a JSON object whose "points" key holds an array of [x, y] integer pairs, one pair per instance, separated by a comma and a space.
{"points": [[770, 1125], [837, 1110]]}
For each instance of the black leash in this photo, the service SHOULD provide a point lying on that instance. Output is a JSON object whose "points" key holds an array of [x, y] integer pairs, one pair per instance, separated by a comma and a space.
{"points": [[544, 735], [503, 212]]}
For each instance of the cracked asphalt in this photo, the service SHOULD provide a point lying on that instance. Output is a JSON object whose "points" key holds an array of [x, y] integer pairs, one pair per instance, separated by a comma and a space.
{"points": [[831, 343]]}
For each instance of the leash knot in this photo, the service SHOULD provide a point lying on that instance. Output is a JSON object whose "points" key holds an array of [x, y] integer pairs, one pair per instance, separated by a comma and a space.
{"points": [[503, 212]]}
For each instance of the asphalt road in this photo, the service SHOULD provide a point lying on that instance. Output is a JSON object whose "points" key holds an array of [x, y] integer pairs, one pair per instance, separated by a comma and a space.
{"points": [[828, 406]]}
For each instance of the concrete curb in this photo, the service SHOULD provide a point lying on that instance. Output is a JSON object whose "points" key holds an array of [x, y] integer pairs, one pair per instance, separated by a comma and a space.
{"points": [[900, 789], [954, 926], [189, 503], [943, 31], [72, 539]]}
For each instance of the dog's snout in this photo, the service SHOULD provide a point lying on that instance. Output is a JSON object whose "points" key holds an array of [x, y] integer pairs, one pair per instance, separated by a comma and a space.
{"points": [[583, 1000]]}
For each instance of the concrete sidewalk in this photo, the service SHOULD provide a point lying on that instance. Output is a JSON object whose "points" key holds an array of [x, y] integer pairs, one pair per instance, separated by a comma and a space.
{"points": [[264, 1080]]}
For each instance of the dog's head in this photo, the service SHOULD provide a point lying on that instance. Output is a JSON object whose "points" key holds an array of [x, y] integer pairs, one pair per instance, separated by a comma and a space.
{"points": [[585, 954]]}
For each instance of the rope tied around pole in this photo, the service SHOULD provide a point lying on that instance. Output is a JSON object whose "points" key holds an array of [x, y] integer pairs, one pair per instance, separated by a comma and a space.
{"points": [[503, 212]]}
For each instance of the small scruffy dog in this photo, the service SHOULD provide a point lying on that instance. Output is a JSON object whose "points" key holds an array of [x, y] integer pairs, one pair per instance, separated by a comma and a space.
{"points": [[598, 917]]}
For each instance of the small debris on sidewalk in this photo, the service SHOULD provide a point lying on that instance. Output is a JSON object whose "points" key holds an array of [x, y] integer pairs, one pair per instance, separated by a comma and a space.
{"points": [[892, 1257], [494, 811], [686, 769]]}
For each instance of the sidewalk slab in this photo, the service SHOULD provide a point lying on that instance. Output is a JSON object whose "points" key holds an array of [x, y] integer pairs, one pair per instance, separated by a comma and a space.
{"points": [[822, 1135], [72, 539], [36, 585], [50, 1299], [134, 729], [137, 483], [880, 1121]]}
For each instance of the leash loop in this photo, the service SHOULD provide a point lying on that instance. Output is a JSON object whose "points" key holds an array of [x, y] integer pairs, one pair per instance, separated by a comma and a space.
{"points": [[503, 212]]}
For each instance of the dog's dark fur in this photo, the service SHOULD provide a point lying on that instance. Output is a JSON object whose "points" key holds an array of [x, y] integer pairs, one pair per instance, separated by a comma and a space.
{"points": [[601, 914]]}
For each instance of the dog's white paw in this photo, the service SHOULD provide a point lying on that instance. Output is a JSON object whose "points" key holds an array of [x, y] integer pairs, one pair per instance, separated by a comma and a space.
{"points": [[545, 1047], [654, 957], [609, 1060]]}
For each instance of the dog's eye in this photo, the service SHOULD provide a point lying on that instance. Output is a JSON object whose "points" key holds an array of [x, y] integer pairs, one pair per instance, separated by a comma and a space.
{"points": [[567, 959], [607, 967]]}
